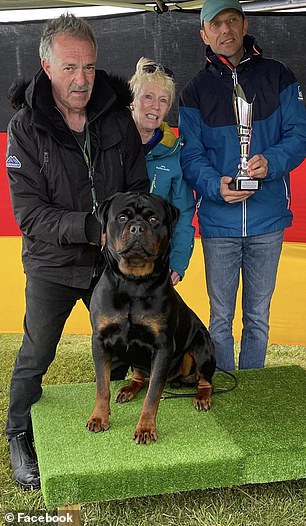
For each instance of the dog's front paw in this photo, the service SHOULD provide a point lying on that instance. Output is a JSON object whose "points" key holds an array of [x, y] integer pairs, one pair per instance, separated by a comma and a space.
{"points": [[125, 394], [145, 436], [202, 402], [96, 424]]}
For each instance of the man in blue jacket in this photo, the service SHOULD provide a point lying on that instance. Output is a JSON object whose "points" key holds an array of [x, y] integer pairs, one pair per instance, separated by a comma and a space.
{"points": [[242, 231]]}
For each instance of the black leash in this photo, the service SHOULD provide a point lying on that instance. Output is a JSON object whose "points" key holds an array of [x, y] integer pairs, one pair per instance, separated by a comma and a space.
{"points": [[167, 395]]}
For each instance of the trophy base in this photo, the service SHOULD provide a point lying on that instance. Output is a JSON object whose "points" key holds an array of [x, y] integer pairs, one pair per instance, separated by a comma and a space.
{"points": [[245, 183]]}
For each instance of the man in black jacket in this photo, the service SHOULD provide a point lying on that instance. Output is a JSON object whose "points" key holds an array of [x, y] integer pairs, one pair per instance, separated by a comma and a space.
{"points": [[73, 144]]}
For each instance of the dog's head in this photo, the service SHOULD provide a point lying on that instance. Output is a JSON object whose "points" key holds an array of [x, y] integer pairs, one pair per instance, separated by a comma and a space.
{"points": [[137, 228]]}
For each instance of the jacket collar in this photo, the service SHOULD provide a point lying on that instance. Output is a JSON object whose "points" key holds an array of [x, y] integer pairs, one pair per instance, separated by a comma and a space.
{"points": [[45, 114], [168, 144], [220, 63], [169, 138]]}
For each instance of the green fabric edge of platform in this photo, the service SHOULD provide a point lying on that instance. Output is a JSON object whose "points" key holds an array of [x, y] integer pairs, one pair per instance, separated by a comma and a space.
{"points": [[253, 434]]}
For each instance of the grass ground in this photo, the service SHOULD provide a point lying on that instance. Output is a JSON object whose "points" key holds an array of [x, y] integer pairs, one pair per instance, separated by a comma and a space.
{"points": [[278, 504]]}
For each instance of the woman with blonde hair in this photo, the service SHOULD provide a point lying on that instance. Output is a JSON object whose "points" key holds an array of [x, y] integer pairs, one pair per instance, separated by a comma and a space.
{"points": [[153, 91]]}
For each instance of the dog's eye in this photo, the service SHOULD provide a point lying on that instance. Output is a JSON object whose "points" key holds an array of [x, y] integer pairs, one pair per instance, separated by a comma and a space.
{"points": [[123, 218], [153, 220]]}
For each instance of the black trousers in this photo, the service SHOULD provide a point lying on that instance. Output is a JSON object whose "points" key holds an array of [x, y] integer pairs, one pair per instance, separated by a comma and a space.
{"points": [[48, 305]]}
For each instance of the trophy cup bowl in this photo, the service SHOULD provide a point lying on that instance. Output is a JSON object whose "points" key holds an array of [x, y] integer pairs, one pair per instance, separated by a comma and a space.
{"points": [[243, 114]]}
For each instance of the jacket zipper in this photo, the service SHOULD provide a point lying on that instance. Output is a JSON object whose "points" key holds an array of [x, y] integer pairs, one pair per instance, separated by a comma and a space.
{"points": [[120, 156], [288, 197], [177, 144], [153, 184], [234, 76], [244, 203], [45, 166]]}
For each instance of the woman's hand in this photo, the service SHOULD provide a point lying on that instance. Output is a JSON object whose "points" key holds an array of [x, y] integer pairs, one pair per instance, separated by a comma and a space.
{"points": [[175, 277]]}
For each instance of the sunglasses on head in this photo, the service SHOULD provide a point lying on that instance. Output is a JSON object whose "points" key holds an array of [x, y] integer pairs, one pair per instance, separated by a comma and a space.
{"points": [[151, 68]]}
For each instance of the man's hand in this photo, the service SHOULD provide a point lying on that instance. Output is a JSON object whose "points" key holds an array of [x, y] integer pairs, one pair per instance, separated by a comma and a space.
{"points": [[258, 167], [232, 196]]}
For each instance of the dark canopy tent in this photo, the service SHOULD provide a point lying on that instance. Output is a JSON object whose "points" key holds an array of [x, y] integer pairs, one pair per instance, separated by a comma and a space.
{"points": [[171, 38], [157, 5]]}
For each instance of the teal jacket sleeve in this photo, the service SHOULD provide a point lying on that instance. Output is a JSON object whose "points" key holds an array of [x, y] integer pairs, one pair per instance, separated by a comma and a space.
{"points": [[182, 242]]}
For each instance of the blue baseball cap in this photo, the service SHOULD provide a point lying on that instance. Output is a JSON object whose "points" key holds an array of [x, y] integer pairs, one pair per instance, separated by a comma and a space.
{"points": [[211, 8]]}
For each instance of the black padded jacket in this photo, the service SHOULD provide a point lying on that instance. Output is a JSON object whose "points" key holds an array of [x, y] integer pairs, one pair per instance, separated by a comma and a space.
{"points": [[49, 179]]}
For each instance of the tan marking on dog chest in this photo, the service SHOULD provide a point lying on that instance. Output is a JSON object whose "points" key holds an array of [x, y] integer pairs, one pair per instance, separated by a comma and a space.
{"points": [[106, 321], [130, 268], [156, 325]]}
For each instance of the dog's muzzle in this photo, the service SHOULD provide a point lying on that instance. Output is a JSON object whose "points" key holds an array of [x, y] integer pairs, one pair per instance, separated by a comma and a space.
{"points": [[137, 240], [137, 229]]}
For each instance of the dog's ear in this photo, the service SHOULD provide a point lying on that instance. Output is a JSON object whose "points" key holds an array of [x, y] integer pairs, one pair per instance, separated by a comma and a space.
{"points": [[102, 212], [173, 214]]}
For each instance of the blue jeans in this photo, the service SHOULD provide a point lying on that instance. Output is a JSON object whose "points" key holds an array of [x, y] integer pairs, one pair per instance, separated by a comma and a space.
{"points": [[257, 257]]}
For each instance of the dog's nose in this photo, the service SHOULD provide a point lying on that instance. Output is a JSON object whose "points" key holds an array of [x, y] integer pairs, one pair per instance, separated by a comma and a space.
{"points": [[136, 229]]}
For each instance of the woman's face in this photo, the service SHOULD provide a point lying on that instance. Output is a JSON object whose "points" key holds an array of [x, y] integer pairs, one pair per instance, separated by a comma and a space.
{"points": [[150, 107]]}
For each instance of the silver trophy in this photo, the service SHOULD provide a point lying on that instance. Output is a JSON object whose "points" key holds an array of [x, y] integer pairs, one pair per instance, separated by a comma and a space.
{"points": [[244, 114]]}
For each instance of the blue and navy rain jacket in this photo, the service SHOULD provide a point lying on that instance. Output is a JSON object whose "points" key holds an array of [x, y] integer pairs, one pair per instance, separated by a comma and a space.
{"points": [[211, 150]]}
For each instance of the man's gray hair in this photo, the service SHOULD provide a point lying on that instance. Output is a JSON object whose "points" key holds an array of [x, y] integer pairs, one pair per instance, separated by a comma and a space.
{"points": [[69, 25]]}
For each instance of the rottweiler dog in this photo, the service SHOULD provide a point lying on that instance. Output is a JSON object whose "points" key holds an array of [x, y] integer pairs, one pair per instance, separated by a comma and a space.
{"points": [[137, 315]]}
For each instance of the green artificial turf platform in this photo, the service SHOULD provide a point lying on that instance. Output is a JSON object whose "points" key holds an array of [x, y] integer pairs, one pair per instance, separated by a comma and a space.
{"points": [[255, 433]]}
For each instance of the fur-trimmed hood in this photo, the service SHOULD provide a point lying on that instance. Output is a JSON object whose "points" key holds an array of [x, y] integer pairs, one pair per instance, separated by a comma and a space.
{"points": [[16, 93]]}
